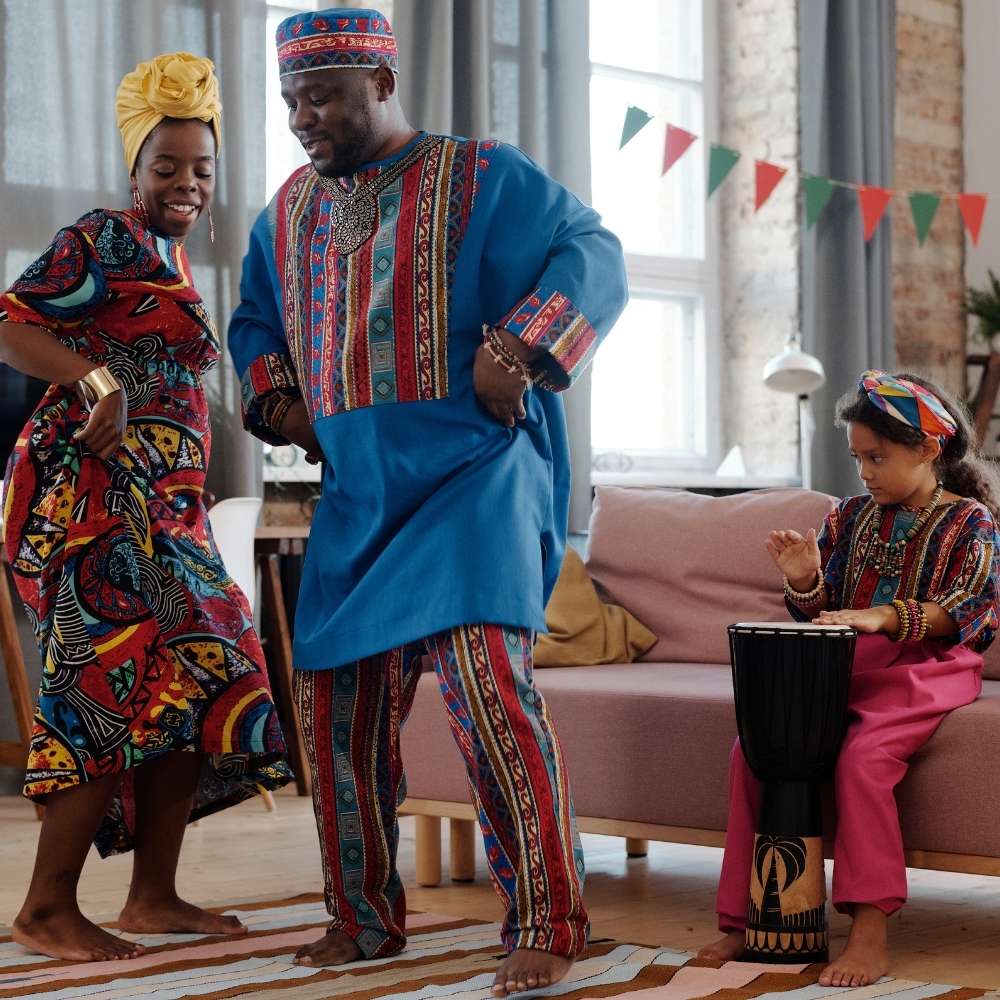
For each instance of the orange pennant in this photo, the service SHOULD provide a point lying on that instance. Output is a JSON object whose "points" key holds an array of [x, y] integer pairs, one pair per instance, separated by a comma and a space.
{"points": [[874, 202], [767, 177], [678, 141], [973, 208]]}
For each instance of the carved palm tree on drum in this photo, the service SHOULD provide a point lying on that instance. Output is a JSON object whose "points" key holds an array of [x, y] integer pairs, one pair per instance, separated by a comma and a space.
{"points": [[791, 851]]}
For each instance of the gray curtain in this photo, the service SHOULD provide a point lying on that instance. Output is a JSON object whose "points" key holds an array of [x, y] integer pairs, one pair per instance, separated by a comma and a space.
{"points": [[847, 71], [61, 153], [61, 156], [516, 70]]}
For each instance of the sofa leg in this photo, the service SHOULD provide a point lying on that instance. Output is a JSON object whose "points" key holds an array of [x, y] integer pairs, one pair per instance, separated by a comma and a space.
{"points": [[462, 840], [636, 848], [428, 850]]}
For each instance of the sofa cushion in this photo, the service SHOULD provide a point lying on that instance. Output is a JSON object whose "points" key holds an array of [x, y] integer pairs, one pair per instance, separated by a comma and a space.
{"points": [[650, 743], [688, 565]]}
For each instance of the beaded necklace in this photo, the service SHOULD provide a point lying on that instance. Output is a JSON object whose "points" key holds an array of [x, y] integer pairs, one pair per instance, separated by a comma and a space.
{"points": [[887, 557], [354, 212]]}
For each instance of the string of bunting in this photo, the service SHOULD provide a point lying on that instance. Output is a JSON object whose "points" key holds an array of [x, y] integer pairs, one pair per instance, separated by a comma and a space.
{"points": [[817, 190]]}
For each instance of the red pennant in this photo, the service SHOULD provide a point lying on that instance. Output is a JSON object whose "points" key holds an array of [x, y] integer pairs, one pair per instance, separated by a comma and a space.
{"points": [[973, 208], [874, 202], [767, 177], [676, 146]]}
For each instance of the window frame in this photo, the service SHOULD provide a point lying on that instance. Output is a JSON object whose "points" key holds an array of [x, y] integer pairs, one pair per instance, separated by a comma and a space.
{"points": [[655, 275]]}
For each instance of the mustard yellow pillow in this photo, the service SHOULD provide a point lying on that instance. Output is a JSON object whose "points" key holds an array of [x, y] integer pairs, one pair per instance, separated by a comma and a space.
{"points": [[582, 629]]}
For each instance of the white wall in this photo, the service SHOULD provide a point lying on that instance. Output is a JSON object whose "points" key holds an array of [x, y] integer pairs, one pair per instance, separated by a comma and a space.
{"points": [[981, 30]]}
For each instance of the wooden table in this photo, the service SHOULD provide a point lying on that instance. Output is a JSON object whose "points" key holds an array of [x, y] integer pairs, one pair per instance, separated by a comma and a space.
{"points": [[272, 543]]}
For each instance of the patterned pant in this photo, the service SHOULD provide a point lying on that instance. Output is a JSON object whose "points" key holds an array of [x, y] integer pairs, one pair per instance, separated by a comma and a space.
{"points": [[351, 720]]}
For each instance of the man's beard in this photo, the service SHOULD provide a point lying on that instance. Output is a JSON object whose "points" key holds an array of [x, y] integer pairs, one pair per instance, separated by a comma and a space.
{"points": [[355, 149]]}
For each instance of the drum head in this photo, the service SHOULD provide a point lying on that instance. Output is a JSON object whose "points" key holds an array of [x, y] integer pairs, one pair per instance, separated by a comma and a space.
{"points": [[776, 628]]}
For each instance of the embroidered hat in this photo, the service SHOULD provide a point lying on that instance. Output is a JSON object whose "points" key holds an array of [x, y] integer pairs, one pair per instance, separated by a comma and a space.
{"points": [[339, 38], [908, 402]]}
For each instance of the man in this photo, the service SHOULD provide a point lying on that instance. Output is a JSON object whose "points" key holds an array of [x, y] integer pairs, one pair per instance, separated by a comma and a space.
{"points": [[411, 305]]}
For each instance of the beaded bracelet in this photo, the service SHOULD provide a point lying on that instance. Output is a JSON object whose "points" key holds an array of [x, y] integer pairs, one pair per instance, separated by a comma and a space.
{"points": [[505, 357], [905, 623], [919, 625], [809, 597]]}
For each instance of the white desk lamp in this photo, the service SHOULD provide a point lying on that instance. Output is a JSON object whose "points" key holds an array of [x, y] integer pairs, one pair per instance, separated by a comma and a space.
{"points": [[795, 371]]}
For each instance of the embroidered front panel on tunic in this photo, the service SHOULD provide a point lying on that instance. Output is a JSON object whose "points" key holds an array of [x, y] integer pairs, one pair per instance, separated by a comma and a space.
{"points": [[371, 327]]}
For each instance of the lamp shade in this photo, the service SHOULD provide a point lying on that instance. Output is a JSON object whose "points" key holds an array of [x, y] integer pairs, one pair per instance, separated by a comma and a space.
{"points": [[794, 371]]}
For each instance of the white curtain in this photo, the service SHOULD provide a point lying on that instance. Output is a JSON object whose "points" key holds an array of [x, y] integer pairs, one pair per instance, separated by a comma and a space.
{"points": [[61, 154], [516, 70]]}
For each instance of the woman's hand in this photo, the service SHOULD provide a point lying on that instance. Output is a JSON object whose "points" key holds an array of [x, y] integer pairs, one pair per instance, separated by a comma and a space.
{"points": [[104, 430], [879, 619], [797, 557]]}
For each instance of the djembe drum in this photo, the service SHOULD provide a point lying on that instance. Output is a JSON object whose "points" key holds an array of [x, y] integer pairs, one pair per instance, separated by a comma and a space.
{"points": [[791, 684]]}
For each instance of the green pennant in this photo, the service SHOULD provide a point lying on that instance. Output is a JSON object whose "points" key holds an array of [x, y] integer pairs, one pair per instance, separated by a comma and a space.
{"points": [[923, 207], [635, 121], [721, 160], [818, 191]]}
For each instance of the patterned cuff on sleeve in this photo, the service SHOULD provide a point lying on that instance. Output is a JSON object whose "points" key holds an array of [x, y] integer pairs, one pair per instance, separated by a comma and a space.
{"points": [[548, 320], [268, 387]]}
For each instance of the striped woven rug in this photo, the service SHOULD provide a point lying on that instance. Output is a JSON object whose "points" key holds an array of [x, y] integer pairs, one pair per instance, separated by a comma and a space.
{"points": [[447, 957]]}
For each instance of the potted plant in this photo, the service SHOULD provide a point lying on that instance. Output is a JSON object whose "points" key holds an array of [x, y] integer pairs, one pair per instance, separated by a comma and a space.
{"points": [[984, 304]]}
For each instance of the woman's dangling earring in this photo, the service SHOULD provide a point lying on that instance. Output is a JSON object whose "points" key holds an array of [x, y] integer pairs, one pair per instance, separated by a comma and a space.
{"points": [[139, 205], [211, 225]]}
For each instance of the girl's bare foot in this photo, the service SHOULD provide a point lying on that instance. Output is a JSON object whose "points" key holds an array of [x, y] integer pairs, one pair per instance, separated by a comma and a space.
{"points": [[175, 916], [70, 936], [529, 969], [727, 949], [335, 948], [865, 960]]}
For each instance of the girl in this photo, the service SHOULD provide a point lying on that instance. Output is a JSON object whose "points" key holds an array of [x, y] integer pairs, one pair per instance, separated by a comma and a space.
{"points": [[154, 706], [913, 566]]}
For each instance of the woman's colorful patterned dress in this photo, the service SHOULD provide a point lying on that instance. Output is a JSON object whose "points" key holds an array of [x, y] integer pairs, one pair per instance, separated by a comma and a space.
{"points": [[147, 644]]}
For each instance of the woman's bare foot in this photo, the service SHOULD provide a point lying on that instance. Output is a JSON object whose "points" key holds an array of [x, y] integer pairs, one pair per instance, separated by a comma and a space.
{"points": [[865, 960], [175, 916], [529, 969], [727, 949], [69, 935], [334, 948]]}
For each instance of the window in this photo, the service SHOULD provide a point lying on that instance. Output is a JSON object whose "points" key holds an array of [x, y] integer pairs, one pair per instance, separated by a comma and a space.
{"points": [[654, 402], [283, 151]]}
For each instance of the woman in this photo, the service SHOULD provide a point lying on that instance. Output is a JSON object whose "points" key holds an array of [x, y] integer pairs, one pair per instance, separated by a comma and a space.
{"points": [[154, 706]]}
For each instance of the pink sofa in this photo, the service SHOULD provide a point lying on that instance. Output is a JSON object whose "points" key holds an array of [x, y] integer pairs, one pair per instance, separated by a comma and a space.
{"points": [[647, 743]]}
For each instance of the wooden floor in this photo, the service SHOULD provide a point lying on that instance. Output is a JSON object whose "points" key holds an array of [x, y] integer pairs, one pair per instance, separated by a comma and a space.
{"points": [[948, 933]]}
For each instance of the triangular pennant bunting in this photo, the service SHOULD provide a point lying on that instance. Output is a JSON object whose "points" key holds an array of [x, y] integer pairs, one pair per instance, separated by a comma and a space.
{"points": [[972, 207], [923, 207], [818, 191], [635, 121], [677, 144], [766, 178], [874, 202], [721, 160]]}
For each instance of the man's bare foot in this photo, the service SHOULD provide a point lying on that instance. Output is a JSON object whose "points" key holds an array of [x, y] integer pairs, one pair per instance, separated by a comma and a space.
{"points": [[865, 960], [529, 969], [727, 949], [335, 948], [69, 935], [175, 916]]}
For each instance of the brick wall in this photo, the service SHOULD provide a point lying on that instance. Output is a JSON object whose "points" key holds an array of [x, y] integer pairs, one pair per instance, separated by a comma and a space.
{"points": [[758, 115], [928, 280]]}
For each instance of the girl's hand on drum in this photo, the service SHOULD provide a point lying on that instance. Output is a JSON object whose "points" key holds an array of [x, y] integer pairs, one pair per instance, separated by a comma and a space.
{"points": [[869, 620], [104, 430], [796, 556]]}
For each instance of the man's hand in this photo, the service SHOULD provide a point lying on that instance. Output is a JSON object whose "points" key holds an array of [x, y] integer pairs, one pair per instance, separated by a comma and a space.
{"points": [[500, 391], [297, 428], [104, 430]]}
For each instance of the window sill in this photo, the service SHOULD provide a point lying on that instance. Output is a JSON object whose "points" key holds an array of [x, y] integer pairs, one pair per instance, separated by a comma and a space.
{"points": [[693, 480]]}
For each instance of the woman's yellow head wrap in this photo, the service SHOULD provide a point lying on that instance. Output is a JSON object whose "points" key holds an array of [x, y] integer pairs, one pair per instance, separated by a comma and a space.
{"points": [[174, 85]]}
